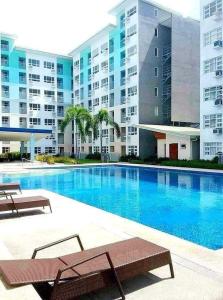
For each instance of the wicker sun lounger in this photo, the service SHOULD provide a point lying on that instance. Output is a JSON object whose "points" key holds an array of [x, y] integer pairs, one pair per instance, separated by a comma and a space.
{"points": [[73, 275], [15, 204], [10, 187]]}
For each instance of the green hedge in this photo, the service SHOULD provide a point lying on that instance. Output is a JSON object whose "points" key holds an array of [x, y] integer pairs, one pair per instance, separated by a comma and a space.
{"points": [[56, 159], [201, 164]]}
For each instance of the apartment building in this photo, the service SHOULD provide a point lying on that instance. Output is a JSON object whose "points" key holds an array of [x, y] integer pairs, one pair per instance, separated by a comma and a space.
{"points": [[35, 89], [211, 78], [144, 70]]}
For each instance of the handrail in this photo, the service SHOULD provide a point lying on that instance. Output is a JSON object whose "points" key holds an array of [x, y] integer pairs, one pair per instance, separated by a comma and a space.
{"points": [[26, 160]]}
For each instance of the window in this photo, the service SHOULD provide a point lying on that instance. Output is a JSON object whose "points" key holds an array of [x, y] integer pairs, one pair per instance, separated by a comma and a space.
{"points": [[104, 82], [82, 78], [96, 102], [95, 69], [60, 96], [131, 12], [213, 121], [122, 39], [5, 121], [155, 12], [34, 62], [156, 72], [104, 65], [212, 93], [34, 121], [131, 31], [156, 32], [104, 133], [5, 76], [34, 107], [212, 36], [104, 99], [111, 46], [22, 93], [34, 78], [132, 110], [59, 69], [5, 91], [122, 21], [49, 94], [111, 64], [156, 52], [132, 150], [212, 148], [156, 91], [37, 150], [22, 62], [50, 150], [5, 149], [96, 85], [132, 71], [49, 107], [60, 111], [49, 122], [104, 48], [4, 45], [4, 60], [122, 78], [212, 7], [22, 78], [132, 130], [96, 149], [132, 50], [132, 91], [49, 65], [5, 107], [48, 79], [156, 111], [60, 83], [81, 63], [213, 64], [34, 92], [95, 53]]}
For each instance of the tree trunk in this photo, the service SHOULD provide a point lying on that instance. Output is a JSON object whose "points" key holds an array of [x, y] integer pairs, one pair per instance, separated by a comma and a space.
{"points": [[101, 140]]}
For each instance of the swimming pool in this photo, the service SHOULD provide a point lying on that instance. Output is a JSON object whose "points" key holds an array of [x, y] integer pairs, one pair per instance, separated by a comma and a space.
{"points": [[188, 205]]}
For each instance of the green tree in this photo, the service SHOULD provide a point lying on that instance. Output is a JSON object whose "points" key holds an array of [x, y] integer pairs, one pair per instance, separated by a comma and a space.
{"points": [[82, 121], [103, 117]]}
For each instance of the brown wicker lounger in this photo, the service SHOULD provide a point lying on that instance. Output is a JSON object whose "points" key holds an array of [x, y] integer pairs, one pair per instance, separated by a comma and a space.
{"points": [[10, 186], [15, 204], [86, 271]]}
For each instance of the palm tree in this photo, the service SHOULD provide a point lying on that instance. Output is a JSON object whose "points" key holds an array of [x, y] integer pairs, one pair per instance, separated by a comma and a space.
{"points": [[81, 117], [101, 117]]}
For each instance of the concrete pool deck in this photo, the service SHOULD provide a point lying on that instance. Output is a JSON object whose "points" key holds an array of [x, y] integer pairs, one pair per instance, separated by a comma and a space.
{"points": [[199, 271]]}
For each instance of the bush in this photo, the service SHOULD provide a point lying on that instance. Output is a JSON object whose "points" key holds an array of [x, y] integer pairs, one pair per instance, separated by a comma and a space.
{"points": [[56, 159], [50, 160], [201, 164], [129, 158], [96, 156]]}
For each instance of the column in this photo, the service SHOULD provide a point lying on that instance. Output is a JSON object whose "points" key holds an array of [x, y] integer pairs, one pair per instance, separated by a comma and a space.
{"points": [[32, 147]]}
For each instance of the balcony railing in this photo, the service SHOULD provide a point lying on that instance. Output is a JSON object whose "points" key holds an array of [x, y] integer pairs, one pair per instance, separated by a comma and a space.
{"points": [[5, 110], [23, 111], [5, 94]]}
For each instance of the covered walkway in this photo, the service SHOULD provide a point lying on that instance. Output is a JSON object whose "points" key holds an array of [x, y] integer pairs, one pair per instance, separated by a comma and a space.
{"points": [[23, 135]]}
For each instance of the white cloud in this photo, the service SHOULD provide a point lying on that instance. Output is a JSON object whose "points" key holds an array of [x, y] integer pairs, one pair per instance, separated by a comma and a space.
{"points": [[59, 26]]}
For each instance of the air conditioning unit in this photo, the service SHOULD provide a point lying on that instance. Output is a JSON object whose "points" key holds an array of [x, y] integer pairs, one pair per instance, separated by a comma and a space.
{"points": [[218, 15], [218, 73], [217, 131], [218, 101], [218, 44]]}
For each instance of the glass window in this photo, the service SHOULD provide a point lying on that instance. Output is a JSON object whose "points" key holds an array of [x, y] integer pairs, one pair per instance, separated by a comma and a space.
{"points": [[212, 8], [212, 93], [34, 62]]}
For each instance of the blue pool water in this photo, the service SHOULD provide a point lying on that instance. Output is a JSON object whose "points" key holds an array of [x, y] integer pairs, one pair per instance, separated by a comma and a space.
{"points": [[188, 205]]}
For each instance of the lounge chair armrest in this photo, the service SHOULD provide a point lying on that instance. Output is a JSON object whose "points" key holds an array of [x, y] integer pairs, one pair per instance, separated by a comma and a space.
{"points": [[118, 283], [58, 242]]}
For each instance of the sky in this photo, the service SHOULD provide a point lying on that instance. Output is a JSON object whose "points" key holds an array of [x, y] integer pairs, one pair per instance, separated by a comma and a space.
{"points": [[60, 26]]}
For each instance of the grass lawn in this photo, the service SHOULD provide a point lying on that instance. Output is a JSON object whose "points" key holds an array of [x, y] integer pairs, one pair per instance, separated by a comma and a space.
{"points": [[88, 161]]}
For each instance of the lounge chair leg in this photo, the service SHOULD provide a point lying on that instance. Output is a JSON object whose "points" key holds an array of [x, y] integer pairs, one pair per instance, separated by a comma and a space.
{"points": [[171, 270], [50, 208]]}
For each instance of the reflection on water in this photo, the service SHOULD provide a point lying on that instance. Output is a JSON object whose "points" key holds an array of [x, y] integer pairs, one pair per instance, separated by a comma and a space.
{"points": [[185, 204]]}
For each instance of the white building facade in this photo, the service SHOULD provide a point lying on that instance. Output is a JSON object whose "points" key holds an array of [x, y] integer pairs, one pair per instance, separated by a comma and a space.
{"points": [[137, 70], [211, 78], [35, 89]]}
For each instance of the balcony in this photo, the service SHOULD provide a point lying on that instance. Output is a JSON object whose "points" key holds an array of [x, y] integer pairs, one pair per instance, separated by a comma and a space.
{"points": [[5, 94], [4, 62], [22, 65], [123, 81], [5, 124], [60, 114], [4, 47], [23, 125], [60, 99], [5, 78], [112, 138], [5, 110], [23, 111], [123, 119], [123, 138]]}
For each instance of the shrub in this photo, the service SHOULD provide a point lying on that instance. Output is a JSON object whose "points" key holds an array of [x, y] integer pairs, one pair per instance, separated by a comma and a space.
{"points": [[201, 164], [50, 160], [129, 158], [96, 156]]}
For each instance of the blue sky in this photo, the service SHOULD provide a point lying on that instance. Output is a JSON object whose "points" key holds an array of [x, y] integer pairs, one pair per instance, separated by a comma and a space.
{"points": [[59, 26]]}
